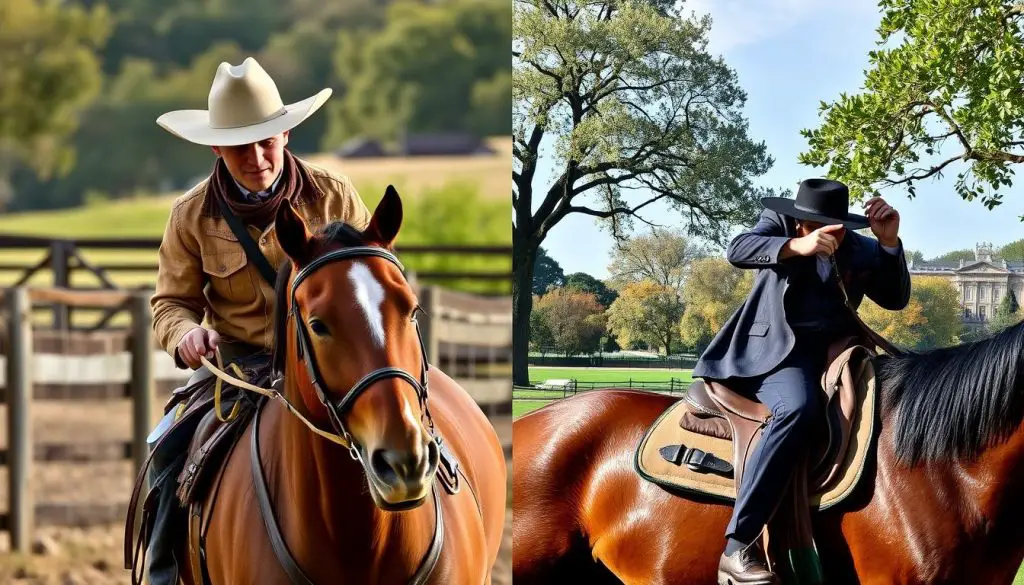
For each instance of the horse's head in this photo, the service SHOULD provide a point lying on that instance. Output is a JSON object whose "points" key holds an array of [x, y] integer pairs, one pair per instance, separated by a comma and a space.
{"points": [[351, 319]]}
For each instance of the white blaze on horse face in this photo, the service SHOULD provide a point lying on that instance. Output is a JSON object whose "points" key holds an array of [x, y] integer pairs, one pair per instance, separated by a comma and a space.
{"points": [[370, 296]]}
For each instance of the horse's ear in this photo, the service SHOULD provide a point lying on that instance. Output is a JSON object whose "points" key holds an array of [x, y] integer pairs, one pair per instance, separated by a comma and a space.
{"points": [[292, 233], [387, 218]]}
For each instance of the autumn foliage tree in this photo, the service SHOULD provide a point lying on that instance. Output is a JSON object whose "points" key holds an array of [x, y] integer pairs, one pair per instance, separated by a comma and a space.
{"points": [[646, 312], [930, 320], [573, 321], [714, 291]]}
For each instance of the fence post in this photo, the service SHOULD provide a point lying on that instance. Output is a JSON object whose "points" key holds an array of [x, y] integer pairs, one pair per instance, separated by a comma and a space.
{"points": [[142, 383], [21, 507], [59, 263]]}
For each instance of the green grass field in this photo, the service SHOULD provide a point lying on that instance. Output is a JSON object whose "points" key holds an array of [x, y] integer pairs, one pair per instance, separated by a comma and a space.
{"points": [[543, 397], [530, 400], [608, 374]]}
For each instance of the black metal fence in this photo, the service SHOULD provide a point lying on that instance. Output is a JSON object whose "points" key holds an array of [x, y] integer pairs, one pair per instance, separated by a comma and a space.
{"points": [[537, 392], [599, 361]]}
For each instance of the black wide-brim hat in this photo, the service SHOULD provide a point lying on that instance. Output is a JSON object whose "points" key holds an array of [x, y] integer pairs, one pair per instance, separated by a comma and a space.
{"points": [[821, 200]]}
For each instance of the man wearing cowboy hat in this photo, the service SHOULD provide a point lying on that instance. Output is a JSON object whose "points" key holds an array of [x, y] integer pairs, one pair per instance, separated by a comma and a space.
{"points": [[219, 251], [773, 347]]}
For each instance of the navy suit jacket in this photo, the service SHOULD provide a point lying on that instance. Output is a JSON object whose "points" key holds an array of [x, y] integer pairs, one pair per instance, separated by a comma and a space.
{"points": [[757, 337]]}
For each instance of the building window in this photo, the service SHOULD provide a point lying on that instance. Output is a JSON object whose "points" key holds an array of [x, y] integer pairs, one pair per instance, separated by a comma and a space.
{"points": [[968, 314], [970, 293], [983, 294], [981, 313], [996, 291]]}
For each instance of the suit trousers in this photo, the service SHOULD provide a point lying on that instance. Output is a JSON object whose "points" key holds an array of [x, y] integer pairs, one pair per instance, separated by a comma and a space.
{"points": [[792, 392]]}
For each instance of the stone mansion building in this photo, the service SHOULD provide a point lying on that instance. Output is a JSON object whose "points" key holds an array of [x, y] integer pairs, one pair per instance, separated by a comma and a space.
{"points": [[982, 282]]}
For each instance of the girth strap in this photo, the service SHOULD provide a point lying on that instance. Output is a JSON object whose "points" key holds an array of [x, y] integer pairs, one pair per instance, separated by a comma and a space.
{"points": [[695, 459]]}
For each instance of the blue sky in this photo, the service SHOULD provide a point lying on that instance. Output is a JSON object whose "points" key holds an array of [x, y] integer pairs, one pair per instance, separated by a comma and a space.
{"points": [[790, 55]]}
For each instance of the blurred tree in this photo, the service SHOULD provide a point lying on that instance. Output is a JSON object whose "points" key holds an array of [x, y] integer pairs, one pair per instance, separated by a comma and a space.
{"points": [[955, 256], [715, 289], [421, 72], [946, 89], [647, 312], [49, 72]]}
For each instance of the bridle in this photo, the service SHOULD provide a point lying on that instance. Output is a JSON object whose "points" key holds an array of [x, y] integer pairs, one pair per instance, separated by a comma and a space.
{"points": [[337, 409]]}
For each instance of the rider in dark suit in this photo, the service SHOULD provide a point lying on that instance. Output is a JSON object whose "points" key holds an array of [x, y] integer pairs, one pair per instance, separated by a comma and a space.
{"points": [[773, 347]]}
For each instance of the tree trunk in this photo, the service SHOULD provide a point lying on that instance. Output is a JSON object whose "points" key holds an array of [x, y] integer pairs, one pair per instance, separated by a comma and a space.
{"points": [[524, 253]]}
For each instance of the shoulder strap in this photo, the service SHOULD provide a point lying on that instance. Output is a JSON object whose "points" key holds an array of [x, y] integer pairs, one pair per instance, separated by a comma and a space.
{"points": [[252, 251]]}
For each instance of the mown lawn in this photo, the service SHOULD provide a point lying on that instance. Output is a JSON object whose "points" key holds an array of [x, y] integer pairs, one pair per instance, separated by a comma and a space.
{"points": [[529, 400], [614, 375]]}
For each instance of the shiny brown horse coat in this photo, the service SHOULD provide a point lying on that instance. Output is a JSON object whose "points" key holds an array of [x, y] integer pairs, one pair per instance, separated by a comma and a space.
{"points": [[939, 505], [327, 509]]}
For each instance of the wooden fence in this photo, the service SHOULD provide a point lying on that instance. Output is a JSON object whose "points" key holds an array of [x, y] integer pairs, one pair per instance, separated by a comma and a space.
{"points": [[467, 336], [64, 257]]}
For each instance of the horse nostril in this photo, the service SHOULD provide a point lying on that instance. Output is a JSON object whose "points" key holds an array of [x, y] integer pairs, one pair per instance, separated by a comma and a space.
{"points": [[382, 466]]}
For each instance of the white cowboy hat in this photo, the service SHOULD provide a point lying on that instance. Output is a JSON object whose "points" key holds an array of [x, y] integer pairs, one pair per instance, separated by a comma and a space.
{"points": [[245, 107]]}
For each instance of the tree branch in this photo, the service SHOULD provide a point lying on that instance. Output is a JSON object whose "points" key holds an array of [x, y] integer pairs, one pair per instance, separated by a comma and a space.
{"points": [[607, 180], [615, 210], [952, 124], [929, 173]]}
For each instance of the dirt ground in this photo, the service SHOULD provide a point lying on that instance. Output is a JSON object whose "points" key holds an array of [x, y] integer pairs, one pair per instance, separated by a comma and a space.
{"points": [[93, 555]]}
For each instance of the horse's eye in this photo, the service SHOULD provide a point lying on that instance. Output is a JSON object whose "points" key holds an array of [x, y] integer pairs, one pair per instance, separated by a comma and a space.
{"points": [[318, 327]]}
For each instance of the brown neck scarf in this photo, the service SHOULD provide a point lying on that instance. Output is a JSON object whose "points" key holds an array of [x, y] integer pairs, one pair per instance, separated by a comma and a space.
{"points": [[295, 185]]}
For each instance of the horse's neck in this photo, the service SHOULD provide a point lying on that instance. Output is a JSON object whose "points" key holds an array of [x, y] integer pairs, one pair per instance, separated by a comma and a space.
{"points": [[330, 508], [968, 512]]}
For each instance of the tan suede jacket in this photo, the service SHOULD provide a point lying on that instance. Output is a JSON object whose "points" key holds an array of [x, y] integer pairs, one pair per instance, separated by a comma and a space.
{"points": [[205, 278]]}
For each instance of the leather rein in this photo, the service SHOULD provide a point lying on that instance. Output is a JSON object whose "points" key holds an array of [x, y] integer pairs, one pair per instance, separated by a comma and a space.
{"points": [[336, 410]]}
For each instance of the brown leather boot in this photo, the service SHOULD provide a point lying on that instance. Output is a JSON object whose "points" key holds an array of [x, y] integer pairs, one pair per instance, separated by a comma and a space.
{"points": [[746, 566]]}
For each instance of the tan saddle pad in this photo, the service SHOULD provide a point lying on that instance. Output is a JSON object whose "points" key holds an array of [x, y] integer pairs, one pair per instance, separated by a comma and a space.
{"points": [[657, 457]]}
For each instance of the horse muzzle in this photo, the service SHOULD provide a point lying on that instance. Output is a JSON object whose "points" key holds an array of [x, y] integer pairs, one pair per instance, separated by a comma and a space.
{"points": [[400, 478]]}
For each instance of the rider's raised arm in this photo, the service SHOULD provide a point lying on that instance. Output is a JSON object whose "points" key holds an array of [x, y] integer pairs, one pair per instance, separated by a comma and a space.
{"points": [[761, 246]]}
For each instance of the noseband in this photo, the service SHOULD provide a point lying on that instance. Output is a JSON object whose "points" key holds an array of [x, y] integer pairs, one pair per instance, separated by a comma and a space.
{"points": [[337, 409]]}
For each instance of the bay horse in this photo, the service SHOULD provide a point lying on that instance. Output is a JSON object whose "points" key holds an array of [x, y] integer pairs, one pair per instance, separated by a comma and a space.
{"points": [[368, 509], [938, 503]]}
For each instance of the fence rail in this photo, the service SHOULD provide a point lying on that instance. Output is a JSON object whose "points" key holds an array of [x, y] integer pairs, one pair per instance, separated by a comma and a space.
{"points": [[64, 257], [467, 336]]}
